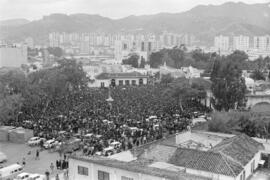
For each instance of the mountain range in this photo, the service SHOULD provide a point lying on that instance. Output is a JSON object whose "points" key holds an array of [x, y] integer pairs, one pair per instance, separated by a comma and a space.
{"points": [[203, 21]]}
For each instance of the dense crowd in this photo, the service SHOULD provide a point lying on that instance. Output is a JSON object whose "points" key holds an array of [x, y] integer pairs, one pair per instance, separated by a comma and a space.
{"points": [[136, 115]]}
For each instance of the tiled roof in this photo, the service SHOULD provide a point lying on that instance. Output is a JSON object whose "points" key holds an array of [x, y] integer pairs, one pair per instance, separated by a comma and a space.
{"points": [[227, 158], [205, 161], [241, 148], [120, 75]]}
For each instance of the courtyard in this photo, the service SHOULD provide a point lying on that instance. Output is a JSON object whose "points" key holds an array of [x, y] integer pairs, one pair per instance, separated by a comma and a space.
{"points": [[262, 174]]}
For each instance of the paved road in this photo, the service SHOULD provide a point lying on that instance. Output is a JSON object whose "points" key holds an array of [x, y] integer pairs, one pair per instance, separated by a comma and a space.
{"points": [[16, 152], [61, 177]]}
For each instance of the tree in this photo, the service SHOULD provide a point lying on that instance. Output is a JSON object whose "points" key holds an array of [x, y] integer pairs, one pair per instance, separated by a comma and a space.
{"points": [[142, 64], [228, 86], [132, 60], [238, 56], [156, 59], [166, 79], [12, 85], [199, 55], [56, 51], [257, 75], [58, 82], [10, 107], [14, 80], [183, 90]]}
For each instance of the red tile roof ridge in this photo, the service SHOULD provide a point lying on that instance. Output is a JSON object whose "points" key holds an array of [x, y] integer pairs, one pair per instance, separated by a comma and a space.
{"points": [[225, 160]]}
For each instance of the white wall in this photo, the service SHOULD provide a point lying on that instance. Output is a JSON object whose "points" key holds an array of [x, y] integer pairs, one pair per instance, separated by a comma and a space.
{"points": [[247, 168], [209, 174], [97, 83], [124, 81], [115, 174], [130, 80], [107, 82]]}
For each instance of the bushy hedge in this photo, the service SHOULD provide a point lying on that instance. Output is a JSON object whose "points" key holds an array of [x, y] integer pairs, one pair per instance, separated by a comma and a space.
{"points": [[252, 124]]}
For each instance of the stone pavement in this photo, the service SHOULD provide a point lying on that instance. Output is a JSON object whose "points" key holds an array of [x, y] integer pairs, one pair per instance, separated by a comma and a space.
{"points": [[261, 174]]}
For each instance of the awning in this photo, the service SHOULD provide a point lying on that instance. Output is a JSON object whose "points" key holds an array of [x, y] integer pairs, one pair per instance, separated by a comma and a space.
{"points": [[261, 162]]}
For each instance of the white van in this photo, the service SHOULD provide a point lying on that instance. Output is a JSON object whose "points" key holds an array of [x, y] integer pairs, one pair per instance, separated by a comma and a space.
{"points": [[22, 176], [3, 157], [10, 172]]}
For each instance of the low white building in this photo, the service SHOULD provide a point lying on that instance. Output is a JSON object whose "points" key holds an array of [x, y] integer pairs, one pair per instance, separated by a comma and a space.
{"points": [[12, 56], [191, 72], [187, 156], [175, 73], [119, 79]]}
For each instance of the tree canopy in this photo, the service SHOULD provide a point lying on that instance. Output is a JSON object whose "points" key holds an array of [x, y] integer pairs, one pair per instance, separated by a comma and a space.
{"points": [[12, 87], [132, 60], [184, 91], [56, 51], [228, 86], [178, 57], [257, 75], [24, 93]]}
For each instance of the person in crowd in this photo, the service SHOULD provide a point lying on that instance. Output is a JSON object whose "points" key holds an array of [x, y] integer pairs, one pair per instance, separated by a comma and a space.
{"points": [[37, 154], [52, 167], [23, 162], [57, 177]]}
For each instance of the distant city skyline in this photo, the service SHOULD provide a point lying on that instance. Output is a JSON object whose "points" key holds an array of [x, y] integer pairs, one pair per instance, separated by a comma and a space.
{"points": [[115, 9]]}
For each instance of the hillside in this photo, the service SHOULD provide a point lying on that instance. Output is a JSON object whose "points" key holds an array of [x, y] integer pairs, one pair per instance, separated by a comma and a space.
{"points": [[203, 21], [14, 22]]}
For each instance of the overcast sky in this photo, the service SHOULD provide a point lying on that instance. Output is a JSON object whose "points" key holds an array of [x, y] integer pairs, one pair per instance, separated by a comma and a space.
{"points": [[35, 9]]}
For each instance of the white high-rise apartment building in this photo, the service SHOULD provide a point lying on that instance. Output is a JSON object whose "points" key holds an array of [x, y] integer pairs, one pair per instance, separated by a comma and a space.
{"points": [[12, 56], [241, 43], [262, 43], [222, 43]]}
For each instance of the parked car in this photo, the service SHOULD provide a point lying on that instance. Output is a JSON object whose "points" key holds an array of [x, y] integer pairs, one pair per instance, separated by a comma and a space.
{"points": [[33, 141], [50, 143], [3, 157], [108, 151]]}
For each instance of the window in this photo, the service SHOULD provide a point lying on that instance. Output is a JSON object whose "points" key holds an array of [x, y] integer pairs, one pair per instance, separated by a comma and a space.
{"points": [[252, 166], [102, 84], [127, 82], [103, 175], [82, 170], [133, 82], [140, 81], [126, 178], [113, 82], [121, 82], [244, 175]]}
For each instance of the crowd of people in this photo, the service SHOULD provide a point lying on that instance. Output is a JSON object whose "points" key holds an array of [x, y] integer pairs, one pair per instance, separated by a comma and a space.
{"points": [[133, 116]]}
